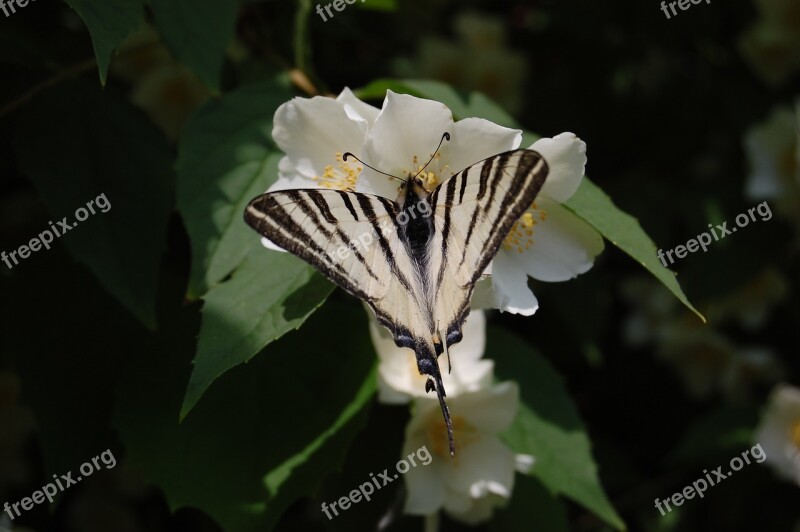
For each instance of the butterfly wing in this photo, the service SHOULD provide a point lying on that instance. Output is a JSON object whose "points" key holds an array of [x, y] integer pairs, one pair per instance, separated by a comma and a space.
{"points": [[473, 213], [352, 239]]}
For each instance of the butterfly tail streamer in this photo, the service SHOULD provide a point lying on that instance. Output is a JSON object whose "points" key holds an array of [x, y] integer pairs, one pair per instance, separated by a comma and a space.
{"points": [[435, 383]]}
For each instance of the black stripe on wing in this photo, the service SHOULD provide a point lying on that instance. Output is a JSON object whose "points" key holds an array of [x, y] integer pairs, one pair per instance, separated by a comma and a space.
{"points": [[271, 219], [520, 192]]}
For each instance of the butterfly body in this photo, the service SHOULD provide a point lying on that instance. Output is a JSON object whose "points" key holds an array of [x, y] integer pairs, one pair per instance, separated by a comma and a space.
{"points": [[414, 261]]}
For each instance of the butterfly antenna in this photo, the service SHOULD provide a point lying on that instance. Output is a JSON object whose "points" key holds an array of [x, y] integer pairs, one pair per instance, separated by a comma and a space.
{"points": [[349, 154], [445, 136]]}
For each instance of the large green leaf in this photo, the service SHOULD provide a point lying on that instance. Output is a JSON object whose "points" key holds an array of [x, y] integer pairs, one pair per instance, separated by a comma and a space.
{"points": [[270, 294], [623, 230], [549, 428], [589, 203], [197, 32], [265, 435], [109, 22], [77, 144], [226, 158]]}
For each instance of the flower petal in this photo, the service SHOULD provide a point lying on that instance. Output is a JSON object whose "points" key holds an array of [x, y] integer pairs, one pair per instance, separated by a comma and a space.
{"points": [[510, 287], [565, 155], [492, 409], [564, 246], [424, 485], [476, 139], [406, 127], [356, 109], [480, 511], [312, 131]]}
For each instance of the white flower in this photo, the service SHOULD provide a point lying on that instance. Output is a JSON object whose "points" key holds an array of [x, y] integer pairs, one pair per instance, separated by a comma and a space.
{"points": [[779, 432], [481, 475], [399, 379], [773, 148], [548, 243]]}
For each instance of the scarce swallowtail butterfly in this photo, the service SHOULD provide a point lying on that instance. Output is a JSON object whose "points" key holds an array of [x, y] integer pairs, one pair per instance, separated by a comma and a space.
{"points": [[419, 273]]}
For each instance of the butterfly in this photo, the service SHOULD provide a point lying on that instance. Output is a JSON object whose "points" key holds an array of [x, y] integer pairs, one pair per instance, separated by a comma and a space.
{"points": [[414, 261]]}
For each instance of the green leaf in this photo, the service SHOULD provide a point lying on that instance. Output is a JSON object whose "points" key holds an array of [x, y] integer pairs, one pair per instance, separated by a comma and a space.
{"points": [[269, 295], [592, 205], [197, 32], [549, 428], [226, 158], [265, 435], [299, 474], [76, 145], [109, 22]]}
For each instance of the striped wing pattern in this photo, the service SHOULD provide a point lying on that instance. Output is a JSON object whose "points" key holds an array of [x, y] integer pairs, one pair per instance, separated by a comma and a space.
{"points": [[422, 297], [473, 213], [350, 238]]}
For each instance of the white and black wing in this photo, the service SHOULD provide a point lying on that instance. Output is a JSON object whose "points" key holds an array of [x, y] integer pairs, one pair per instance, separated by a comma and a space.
{"points": [[352, 239], [473, 212]]}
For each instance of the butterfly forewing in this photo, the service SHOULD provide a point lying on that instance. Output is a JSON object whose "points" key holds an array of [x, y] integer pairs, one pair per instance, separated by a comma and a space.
{"points": [[352, 239], [473, 213]]}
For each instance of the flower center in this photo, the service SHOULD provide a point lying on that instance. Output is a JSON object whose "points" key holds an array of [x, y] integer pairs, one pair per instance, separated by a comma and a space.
{"points": [[521, 236], [794, 433], [433, 175], [436, 434], [341, 177]]}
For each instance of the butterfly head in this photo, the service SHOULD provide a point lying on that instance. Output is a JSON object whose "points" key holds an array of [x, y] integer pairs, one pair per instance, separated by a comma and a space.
{"points": [[414, 183]]}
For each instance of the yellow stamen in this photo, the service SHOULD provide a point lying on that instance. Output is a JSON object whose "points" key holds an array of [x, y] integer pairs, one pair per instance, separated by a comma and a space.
{"points": [[343, 177], [521, 236]]}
